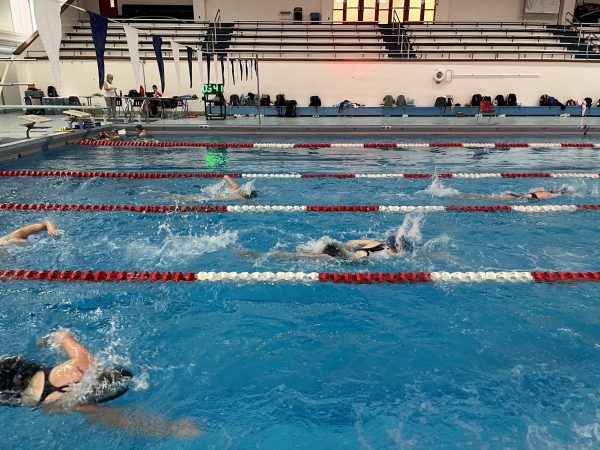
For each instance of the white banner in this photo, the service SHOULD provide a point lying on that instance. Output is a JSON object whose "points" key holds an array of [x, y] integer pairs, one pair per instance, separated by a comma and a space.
{"points": [[47, 16], [175, 49], [200, 65], [133, 40]]}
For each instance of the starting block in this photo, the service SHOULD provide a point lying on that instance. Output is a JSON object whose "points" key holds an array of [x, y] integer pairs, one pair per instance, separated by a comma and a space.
{"points": [[32, 120], [83, 119]]}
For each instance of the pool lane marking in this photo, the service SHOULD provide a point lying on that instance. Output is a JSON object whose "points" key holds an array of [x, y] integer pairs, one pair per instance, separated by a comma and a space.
{"points": [[284, 145], [300, 277], [292, 208], [162, 175]]}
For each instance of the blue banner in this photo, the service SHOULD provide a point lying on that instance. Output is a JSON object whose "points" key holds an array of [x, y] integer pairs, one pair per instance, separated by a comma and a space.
{"points": [[99, 26], [157, 44]]}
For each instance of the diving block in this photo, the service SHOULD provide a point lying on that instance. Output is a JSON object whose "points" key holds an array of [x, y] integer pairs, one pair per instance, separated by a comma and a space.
{"points": [[32, 120], [78, 114]]}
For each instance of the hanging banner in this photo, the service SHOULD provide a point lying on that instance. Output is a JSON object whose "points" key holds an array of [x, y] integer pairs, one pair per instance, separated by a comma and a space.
{"points": [[157, 44], [47, 16], [200, 65], [133, 39], [208, 63], [233, 71], [190, 53], [99, 26], [222, 61], [228, 75], [175, 50]]}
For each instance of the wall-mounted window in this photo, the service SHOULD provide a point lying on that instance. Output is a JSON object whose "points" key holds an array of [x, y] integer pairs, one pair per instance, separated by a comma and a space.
{"points": [[22, 16], [384, 11]]}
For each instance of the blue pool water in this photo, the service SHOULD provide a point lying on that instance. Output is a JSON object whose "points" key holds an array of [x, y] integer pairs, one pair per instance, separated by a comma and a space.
{"points": [[317, 366]]}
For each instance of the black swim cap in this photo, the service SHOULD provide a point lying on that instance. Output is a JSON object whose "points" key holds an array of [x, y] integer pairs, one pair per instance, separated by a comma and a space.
{"points": [[333, 249], [110, 384]]}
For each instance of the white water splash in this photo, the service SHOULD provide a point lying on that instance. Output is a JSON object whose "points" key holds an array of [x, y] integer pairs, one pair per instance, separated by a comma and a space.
{"points": [[175, 247], [437, 189]]}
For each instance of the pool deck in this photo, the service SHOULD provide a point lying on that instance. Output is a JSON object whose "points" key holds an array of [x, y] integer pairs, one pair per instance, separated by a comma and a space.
{"points": [[14, 145]]}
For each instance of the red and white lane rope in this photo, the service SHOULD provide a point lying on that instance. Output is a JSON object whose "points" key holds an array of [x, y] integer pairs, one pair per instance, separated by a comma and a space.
{"points": [[109, 143], [301, 277], [289, 208], [160, 175]]}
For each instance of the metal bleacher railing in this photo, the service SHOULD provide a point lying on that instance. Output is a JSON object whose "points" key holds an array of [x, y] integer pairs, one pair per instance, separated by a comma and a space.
{"points": [[280, 40]]}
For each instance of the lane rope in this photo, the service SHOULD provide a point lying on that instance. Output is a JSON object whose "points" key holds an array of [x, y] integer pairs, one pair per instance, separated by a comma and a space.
{"points": [[300, 277], [110, 143], [290, 208], [161, 175]]}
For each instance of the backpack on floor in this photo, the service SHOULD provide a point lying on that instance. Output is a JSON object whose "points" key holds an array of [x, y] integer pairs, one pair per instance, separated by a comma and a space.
{"points": [[476, 100], [486, 98], [400, 100], [572, 102], [265, 100], [388, 101], [544, 100], [588, 102], [52, 91], [234, 100], [440, 102], [280, 100], [511, 100], [315, 100], [500, 100], [290, 108]]}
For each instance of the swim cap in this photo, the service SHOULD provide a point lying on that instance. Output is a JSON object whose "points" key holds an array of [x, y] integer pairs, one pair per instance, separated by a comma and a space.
{"points": [[399, 244], [111, 383], [333, 249], [139, 128], [122, 132]]}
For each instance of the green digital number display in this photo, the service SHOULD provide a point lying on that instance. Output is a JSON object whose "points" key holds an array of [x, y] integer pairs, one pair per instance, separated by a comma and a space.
{"points": [[212, 89]]}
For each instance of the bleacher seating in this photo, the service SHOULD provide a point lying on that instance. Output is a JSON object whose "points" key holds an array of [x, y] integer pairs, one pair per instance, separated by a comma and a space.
{"points": [[326, 40]]}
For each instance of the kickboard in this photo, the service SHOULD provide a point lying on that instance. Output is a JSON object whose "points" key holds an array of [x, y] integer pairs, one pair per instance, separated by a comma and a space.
{"points": [[35, 118], [78, 114]]}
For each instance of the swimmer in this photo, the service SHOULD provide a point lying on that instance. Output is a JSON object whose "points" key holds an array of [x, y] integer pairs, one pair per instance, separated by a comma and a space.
{"points": [[226, 189], [112, 135], [351, 250], [141, 131], [79, 385], [20, 236], [28, 383], [533, 194]]}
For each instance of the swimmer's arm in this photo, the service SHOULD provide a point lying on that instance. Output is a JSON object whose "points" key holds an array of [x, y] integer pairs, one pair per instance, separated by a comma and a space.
{"points": [[233, 185], [139, 423], [298, 255], [363, 242], [78, 355], [24, 232]]}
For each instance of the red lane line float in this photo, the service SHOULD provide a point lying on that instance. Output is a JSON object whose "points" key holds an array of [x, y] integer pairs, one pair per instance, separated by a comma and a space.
{"points": [[97, 276], [564, 277], [375, 277], [478, 208], [445, 144], [526, 175], [328, 175]]}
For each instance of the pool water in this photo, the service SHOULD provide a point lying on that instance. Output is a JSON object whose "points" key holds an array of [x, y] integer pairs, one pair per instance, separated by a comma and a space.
{"points": [[317, 366]]}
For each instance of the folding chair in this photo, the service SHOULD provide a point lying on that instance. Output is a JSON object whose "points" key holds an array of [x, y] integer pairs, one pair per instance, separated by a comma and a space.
{"points": [[486, 107]]}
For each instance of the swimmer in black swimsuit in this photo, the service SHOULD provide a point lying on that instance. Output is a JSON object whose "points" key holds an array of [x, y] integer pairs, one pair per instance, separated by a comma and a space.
{"points": [[29, 383], [59, 389], [349, 251]]}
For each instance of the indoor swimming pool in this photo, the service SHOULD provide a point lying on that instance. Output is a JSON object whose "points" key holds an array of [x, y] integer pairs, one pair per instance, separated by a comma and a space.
{"points": [[309, 365]]}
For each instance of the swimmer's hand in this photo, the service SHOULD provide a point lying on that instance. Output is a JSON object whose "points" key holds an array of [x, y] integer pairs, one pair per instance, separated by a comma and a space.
{"points": [[51, 228], [53, 339]]}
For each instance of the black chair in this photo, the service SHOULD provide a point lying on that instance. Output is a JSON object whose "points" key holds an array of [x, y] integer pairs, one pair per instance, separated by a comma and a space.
{"points": [[298, 14], [74, 101], [315, 17]]}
